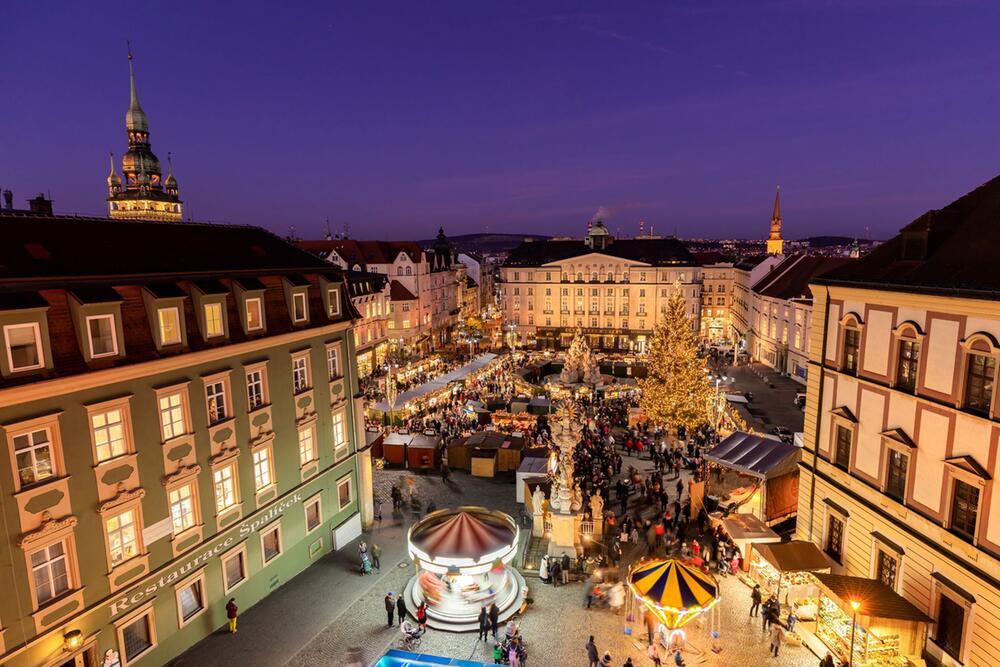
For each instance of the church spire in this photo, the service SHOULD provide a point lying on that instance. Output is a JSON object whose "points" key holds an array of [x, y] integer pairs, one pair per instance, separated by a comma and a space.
{"points": [[775, 244], [135, 117], [114, 180]]}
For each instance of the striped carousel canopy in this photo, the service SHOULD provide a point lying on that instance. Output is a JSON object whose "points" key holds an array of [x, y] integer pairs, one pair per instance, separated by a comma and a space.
{"points": [[676, 592]]}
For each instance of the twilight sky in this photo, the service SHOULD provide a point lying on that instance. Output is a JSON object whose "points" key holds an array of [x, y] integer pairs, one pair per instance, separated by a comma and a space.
{"points": [[398, 117]]}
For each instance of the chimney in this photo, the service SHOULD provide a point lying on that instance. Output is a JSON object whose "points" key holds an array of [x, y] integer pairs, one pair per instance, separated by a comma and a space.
{"points": [[8, 200], [41, 205]]}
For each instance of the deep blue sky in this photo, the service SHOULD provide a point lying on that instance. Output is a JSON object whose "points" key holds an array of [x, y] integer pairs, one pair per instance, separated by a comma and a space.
{"points": [[475, 115]]}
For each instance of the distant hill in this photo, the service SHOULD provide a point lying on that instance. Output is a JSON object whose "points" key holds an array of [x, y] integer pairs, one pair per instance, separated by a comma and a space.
{"points": [[486, 243]]}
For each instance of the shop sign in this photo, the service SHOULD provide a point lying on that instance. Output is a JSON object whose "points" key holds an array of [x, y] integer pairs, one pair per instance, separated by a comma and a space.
{"points": [[137, 595]]}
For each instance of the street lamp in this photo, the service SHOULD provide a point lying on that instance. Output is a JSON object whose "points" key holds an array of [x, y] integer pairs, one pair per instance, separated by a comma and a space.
{"points": [[719, 379], [855, 605]]}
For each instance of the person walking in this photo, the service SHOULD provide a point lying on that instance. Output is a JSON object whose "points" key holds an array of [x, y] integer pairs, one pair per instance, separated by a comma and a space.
{"points": [[653, 652], [376, 555], [390, 608], [827, 661], [777, 634], [231, 612], [422, 615], [401, 608], [494, 615], [484, 624], [755, 598], [592, 653]]}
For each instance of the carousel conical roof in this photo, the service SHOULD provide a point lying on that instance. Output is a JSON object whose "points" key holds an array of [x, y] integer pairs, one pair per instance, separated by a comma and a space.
{"points": [[462, 534], [671, 584]]}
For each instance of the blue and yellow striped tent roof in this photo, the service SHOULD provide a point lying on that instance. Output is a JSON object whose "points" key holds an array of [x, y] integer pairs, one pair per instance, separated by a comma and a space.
{"points": [[671, 585]]}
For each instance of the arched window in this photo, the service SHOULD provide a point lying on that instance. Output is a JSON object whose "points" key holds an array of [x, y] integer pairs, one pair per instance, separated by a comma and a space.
{"points": [[399, 270], [409, 271], [850, 347]]}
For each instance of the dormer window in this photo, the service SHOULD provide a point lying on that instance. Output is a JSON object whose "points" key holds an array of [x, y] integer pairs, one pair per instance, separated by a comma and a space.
{"points": [[101, 336], [169, 325], [334, 297], [24, 347], [255, 314], [300, 307]]}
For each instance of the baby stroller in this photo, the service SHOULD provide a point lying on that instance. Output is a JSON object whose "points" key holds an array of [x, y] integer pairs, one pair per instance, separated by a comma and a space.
{"points": [[366, 563], [411, 636]]}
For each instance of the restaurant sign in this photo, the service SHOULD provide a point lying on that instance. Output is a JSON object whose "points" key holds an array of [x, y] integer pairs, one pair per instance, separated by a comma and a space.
{"points": [[137, 595]]}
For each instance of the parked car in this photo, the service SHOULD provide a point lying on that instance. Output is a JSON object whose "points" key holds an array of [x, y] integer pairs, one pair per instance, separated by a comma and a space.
{"points": [[800, 399]]}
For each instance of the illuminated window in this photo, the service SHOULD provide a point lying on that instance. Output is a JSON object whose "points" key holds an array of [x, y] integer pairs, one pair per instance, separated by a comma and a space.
{"points": [[213, 320], [182, 508], [979, 383], [33, 451], [263, 474], [218, 405], [224, 480], [339, 436], [852, 343], [332, 362], [172, 420], [123, 537], [169, 320], [256, 391], [300, 373], [109, 434], [307, 445], [50, 571]]}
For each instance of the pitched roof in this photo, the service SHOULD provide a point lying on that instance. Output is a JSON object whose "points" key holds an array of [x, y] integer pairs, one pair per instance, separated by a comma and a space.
{"points": [[876, 599], [951, 250], [399, 292], [49, 248], [791, 277], [363, 253], [362, 283], [656, 252]]}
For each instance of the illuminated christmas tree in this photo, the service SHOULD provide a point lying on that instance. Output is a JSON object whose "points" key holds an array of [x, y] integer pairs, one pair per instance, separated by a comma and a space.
{"points": [[676, 391]]}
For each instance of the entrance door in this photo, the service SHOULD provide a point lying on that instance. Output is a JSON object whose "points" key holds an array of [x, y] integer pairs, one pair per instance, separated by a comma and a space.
{"points": [[85, 657]]}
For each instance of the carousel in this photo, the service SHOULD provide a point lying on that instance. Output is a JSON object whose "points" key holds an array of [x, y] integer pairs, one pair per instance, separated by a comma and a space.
{"points": [[676, 593], [462, 557]]}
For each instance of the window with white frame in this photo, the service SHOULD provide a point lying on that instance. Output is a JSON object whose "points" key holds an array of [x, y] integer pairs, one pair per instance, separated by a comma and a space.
{"points": [[300, 308], [256, 397], [50, 572], [300, 373], [191, 599], [101, 336], [345, 492], [255, 314], [214, 325], [24, 346], [109, 434], [307, 445], [182, 507], [333, 297], [234, 568], [173, 422], [224, 480], [263, 473], [169, 321], [137, 637], [270, 543], [333, 362], [339, 436], [218, 404], [33, 451], [123, 536]]}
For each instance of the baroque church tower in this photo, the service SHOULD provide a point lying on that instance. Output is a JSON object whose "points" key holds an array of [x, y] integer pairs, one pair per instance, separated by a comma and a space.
{"points": [[142, 194], [775, 244]]}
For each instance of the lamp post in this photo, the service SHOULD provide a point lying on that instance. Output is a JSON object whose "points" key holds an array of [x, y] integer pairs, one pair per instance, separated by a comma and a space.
{"points": [[719, 379], [855, 605], [390, 390]]}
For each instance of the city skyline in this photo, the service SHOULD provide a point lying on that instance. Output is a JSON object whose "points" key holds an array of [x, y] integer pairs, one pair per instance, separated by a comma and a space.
{"points": [[477, 120]]}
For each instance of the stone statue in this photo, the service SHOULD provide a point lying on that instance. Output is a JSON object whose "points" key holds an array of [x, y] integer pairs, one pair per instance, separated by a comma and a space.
{"points": [[577, 498], [580, 365], [537, 500], [596, 506]]}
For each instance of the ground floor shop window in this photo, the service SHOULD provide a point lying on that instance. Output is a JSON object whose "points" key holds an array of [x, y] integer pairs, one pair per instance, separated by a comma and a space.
{"points": [[234, 568], [137, 636], [190, 600], [314, 516], [345, 493], [270, 544]]}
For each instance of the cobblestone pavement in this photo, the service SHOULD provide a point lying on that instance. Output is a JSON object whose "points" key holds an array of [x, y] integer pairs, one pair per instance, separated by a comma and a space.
{"points": [[770, 407]]}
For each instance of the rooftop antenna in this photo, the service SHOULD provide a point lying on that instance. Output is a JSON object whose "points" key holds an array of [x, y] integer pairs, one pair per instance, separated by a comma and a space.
{"points": [[329, 236]]}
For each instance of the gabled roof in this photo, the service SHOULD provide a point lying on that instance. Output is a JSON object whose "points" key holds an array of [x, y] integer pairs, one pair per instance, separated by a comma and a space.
{"points": [[40, 248], [362, 283], [656, 252], [399, 292], [968, 464], [363, 253], [791, 277], [943, 251]]}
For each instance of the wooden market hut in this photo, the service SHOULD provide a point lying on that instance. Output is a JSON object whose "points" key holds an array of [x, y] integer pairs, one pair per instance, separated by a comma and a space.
{"points": [[394, 448], [424, 451], [509, 453]]}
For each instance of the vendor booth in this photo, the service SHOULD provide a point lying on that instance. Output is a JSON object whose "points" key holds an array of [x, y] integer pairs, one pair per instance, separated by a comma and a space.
{"points": [[462, 558], [423, 451], [756, 475], [394, 448], [885, 627], [783, 569], [509, 453], [745, 530], [483, 462]]}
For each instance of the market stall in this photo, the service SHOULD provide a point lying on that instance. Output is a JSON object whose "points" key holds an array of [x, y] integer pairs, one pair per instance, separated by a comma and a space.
{"points": [[458, 453], [394, 448], [519, 421], [783, 569], [745, 530], [462, 557], [483, 463], [886, 629], [528, 474], [757, 475], [509, 452], [422, 452]]}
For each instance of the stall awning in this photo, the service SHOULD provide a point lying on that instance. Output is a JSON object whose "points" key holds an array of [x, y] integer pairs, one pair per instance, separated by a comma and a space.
{"points": [[748, 527], [438, 383], [534, 466], [794, 556], [736, 398], [755, 455], [877, 599]]}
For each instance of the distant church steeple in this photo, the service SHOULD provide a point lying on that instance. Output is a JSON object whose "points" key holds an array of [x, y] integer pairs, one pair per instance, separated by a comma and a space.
{"points": [[775, 244], [141, 194]]}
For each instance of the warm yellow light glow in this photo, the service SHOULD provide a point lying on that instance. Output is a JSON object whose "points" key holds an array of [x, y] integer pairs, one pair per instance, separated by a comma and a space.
{"points": [[72, 640], [855, 605]]}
